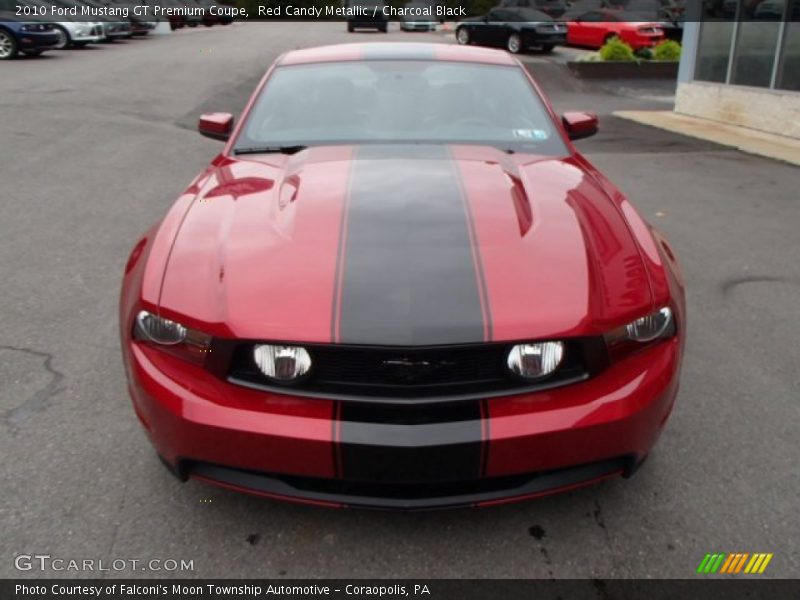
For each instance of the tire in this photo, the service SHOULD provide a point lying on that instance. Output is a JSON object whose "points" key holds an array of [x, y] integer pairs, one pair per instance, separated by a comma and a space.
{"points": [[463, 37], [350, 28], [8, 45], [63, 38], [32, 52], [383, 28], [514, 43], [80, 44], [547, 48]]}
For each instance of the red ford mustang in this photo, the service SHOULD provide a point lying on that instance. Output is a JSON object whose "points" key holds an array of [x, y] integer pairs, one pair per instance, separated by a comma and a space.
{"points": [[594, 28], [399, 285]]}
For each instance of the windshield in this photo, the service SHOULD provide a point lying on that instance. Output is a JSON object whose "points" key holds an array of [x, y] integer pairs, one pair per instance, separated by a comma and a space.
{"points": [[386, 101]]}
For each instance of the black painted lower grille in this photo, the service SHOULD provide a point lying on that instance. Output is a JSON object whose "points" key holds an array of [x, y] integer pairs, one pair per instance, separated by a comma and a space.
{"points": [[431, 373], [409, 496]]}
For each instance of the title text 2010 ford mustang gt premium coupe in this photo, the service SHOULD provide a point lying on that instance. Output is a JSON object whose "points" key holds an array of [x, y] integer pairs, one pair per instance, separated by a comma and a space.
{"points": [[399, 285]]}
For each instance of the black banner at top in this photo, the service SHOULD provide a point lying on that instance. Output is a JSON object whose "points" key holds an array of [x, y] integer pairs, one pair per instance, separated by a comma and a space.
{"points": [[587, 11]]}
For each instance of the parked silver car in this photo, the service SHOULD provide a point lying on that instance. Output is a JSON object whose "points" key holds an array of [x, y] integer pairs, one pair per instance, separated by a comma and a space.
{"points": [[112, 27], [72, 32]]}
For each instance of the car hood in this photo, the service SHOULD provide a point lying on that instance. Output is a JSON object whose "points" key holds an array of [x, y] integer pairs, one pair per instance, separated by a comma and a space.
{"points": [[402, 245]]}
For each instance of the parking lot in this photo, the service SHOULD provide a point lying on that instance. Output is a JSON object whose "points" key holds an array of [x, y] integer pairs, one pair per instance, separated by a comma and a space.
{"points": [[96, 145]]}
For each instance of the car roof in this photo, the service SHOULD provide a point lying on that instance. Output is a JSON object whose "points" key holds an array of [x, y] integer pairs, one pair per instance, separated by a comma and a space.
{"points": [[396, 51]]}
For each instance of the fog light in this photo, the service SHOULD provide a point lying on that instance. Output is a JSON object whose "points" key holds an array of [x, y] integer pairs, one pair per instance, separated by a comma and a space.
{"points": [[282, 363], [534, 361]]}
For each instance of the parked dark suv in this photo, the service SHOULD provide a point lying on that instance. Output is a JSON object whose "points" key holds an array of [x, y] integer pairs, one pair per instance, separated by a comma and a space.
{"points": [[371, 15], [553, 8]]}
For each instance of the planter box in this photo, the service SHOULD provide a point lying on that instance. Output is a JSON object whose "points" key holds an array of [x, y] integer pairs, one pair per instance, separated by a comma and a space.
{"points": [[624, 70]]}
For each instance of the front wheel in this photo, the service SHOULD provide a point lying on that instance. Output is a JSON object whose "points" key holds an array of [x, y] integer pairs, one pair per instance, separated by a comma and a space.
{"points": [[8, 45], [462, 36], [514, 43], [63, 38]]}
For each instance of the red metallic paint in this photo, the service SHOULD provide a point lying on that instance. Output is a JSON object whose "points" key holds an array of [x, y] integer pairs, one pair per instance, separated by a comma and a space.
{"points": [[216, 125], [618, 412], [273, 247], [577, 263], [563, 253], [193, 414], [595, 34]]}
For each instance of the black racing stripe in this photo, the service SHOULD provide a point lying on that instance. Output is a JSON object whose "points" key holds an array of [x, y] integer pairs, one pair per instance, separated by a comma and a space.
{"points": [[478, 261], [411, 444], [337, 283], [409, 275], [409, 279]]}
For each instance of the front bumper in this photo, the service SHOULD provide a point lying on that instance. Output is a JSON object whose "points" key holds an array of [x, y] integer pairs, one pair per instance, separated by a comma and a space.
{"points": [[535, 38], [117, 30], [304, 449], [87, 34], [35, 40], [142, 27]]}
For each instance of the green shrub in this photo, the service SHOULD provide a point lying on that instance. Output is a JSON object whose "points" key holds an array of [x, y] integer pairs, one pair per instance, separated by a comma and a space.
{"points": [[667, 51], [644, 53], [616, 49]]}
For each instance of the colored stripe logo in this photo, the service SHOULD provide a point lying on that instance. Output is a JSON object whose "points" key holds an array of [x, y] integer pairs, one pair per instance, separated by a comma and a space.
{"points": [[734, 563]]}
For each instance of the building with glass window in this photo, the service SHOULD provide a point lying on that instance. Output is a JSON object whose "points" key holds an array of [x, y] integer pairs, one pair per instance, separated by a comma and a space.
{"points": [[741, 64]]}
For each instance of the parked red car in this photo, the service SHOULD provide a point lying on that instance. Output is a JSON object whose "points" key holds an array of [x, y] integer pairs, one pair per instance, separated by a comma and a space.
{"points": [[400, 285], [594, 28]]}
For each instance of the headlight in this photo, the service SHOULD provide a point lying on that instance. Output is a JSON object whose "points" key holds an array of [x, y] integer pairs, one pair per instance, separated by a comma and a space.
{"points": [[641, 333], [650, 327], [172, 337], [159, 330], [534, 361], [282, 363]]}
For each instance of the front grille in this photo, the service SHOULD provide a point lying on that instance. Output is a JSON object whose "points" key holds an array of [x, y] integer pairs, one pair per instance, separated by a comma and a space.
{"points": [[414, 373]]}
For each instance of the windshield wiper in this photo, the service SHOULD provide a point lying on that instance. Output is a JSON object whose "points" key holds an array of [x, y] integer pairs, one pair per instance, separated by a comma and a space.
{"points": [[270, 150]]}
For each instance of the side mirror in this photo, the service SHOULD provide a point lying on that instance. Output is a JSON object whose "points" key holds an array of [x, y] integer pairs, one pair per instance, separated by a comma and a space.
{"points": [[579, 124], [217, 126]]}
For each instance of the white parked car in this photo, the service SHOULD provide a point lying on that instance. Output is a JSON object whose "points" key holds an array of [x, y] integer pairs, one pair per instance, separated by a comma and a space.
{"points": [[77, 33]]}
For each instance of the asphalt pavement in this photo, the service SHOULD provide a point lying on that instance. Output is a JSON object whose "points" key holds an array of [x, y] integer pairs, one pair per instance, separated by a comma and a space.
{"points": [[96, 145]]}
